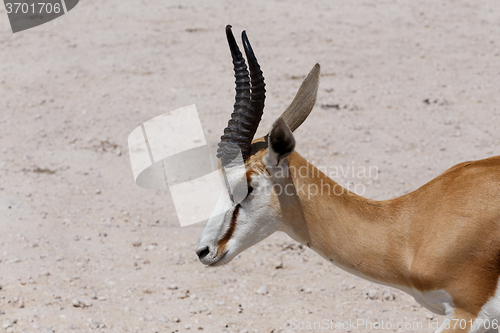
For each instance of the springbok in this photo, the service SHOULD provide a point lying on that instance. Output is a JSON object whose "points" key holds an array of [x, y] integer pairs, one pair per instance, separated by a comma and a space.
{"points": [[439, 243]]}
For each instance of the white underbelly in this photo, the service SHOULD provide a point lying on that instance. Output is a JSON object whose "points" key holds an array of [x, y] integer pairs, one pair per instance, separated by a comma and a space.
{"points": [[436, 301], [441, 303]]}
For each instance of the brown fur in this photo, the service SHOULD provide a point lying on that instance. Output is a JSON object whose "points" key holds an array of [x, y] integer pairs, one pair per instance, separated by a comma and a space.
{"points": [[443, 236]]}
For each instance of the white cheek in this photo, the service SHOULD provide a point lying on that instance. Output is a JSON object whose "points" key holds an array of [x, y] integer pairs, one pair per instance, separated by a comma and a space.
{"points": [[250, 229], [257, 218]]}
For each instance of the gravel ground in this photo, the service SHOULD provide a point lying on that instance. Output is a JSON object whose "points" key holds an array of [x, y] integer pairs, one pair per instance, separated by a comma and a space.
{"points": [[410, 88]]}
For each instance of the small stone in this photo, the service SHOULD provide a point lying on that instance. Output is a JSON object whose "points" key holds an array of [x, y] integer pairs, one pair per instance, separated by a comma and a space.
{"points": [[98, 191], [373, 294], [279, 264], [97, 325], [19, 303], [176, 319], [429, 316], [184, 293], [2, 312], [388, 296], [81, 303], [162, 319], [47, 330], [173, 287], [262, 290], [137, 242]]}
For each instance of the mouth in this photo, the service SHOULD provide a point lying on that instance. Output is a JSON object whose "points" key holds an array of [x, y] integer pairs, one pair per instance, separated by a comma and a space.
{"points": [[218, 261]]}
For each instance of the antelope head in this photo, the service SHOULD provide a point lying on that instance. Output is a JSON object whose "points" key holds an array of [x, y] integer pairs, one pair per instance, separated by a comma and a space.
{"points": [[255, 204]]}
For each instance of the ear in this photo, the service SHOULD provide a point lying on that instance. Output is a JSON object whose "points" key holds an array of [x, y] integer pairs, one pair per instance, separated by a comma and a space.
{"points": [[280, 142], [304, 100]]}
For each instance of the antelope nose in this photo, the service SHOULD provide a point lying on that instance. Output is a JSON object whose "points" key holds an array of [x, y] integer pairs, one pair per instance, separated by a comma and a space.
{"points": [[202, 252]]}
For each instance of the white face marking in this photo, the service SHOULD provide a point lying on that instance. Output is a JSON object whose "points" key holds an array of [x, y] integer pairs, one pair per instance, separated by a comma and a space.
{"points": [[249, 220]]}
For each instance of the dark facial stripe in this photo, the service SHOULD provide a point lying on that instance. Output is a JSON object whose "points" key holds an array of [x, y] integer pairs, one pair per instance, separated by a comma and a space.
{"points": [[249, 174], [221, 245]]}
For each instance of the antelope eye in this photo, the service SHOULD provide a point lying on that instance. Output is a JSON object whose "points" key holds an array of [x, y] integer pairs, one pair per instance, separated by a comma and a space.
{"points": [[250, 189]]}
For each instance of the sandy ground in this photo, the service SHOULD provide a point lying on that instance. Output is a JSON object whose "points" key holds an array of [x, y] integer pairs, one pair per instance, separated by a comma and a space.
{"points": [[410, 88]]}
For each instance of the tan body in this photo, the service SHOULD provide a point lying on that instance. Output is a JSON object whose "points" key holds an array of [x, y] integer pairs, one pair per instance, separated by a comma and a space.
{"points": [[443, 236]]}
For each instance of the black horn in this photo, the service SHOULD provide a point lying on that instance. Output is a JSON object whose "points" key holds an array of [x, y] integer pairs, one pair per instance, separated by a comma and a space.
{"points": [[258, 94], [249, 102]]}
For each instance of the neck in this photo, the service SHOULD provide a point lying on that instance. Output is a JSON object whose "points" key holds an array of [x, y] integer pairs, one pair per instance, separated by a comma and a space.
{"points": [[362, 236]]}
